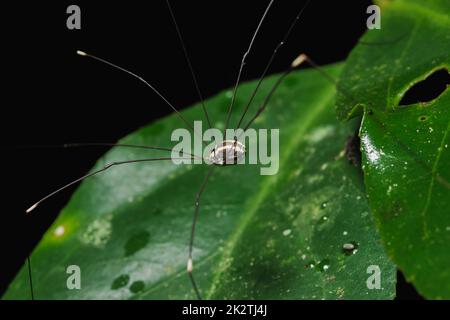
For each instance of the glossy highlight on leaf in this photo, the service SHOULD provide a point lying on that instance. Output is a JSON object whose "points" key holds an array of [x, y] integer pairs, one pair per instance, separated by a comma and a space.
{"points": [[406, 149]]}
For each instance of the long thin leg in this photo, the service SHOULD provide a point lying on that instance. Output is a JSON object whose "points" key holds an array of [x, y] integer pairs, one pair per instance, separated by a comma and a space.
{"points": [[106, 167], [190, 265], [304, 58], [244, 57], [266, 100], [186, 56], [84, 54], [349, 96], [30, 277], [297, 62], [100, 144], [278, 47]]}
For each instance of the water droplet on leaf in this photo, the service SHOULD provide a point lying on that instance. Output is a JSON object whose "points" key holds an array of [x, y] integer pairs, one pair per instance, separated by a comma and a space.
{"points": [[350, 248], [322, 219], [323, 265]]}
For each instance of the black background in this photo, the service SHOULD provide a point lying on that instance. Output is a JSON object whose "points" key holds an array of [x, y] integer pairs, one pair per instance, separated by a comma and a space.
{"points": [[50, 95]]}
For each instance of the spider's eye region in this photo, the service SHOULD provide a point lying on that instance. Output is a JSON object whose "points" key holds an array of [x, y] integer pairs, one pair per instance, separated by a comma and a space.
{"points": [[228, 152]]}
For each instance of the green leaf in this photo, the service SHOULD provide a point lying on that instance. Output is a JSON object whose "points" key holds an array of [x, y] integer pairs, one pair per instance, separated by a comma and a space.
{"points": [[286, 236], [406, 153]]}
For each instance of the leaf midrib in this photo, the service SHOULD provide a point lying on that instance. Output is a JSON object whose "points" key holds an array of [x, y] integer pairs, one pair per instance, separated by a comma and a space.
{"points": [[256, 200]]}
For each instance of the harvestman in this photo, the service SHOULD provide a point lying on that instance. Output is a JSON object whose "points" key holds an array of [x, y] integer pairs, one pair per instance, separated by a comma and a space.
{"points": [[227, 152]]}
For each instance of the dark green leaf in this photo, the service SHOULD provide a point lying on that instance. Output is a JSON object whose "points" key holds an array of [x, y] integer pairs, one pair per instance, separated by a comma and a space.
{"points": [[286, 236], [406, 153]]}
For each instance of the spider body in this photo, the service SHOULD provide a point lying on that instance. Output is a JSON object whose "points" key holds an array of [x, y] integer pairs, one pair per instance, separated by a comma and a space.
{"points": [[229, 152]]}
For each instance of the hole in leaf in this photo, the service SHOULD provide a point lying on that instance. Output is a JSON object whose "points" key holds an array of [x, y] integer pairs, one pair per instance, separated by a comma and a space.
{"points": [[353, 149], [427, 90]]}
